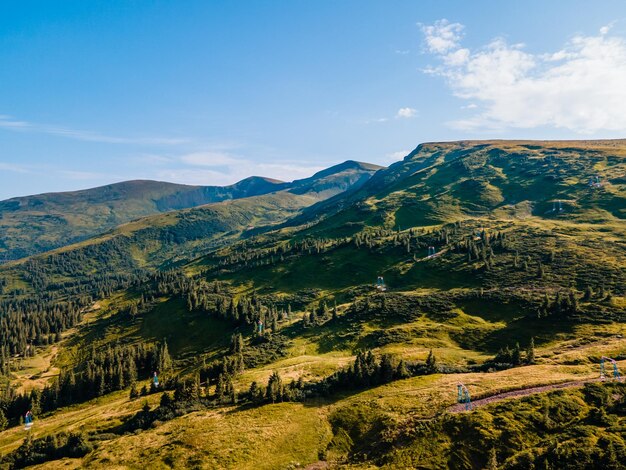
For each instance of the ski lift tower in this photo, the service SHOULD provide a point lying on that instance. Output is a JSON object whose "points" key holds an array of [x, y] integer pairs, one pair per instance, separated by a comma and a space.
{"points": [[616, 374], [28, 420], [463, 396]]}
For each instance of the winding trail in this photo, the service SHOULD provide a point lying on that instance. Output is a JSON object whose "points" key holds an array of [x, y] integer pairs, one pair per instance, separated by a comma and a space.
{"points": [[522, 392]]}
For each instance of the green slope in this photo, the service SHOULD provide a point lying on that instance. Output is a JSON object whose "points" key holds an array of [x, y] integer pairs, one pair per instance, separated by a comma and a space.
{"points": [[507, 269], [33, 224], [166, 240]]}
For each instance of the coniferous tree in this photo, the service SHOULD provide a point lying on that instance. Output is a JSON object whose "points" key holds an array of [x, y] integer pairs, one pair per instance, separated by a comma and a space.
{"points": [[3, 421], [133, 391], [431, 363], [516, 356], [256, 395], [274, 388], [165, 361], [402, 371], [386, 369], [530, 352]]}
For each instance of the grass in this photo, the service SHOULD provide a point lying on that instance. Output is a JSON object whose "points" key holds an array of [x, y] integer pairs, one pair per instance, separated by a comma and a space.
{"points": [[273, 436], [187, 333]]}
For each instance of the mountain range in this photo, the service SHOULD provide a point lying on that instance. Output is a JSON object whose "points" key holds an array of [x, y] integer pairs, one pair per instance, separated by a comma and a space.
{"points": [[454, 310], [34, 224]]}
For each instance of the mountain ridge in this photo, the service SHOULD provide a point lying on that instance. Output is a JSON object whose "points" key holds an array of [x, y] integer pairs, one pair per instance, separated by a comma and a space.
{"points": [[38, 223]]}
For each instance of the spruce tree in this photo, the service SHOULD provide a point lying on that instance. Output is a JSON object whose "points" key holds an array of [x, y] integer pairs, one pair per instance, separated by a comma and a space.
{"points": [[3, 421], [516, 356], [133, 391], [274, 388], [431, 363], [165, 361], [530, 352]]}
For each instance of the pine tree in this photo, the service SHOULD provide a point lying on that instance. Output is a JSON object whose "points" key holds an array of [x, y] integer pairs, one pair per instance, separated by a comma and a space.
{"points": [[530, 352], [166, 400], [133, 391], [236, 344], [516, 356], [431, 363], [255, 393], [233, 393], [274, 388], [402, 372], [165, 361], [386, 369], [3, 421]]}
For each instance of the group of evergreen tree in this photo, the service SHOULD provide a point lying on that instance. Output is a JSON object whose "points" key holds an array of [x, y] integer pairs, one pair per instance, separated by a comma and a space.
{"points": [[367, 370], [516, 356], [100, 372], [27, 323], [563, 305]]}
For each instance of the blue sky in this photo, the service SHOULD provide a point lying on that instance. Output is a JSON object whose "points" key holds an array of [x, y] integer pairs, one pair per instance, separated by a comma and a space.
{"points": [[209, 92]]}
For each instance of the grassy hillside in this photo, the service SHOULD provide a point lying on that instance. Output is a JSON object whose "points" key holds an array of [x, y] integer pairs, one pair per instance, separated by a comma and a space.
{"points": [[166, 240], [33, 224], [516, 296]]}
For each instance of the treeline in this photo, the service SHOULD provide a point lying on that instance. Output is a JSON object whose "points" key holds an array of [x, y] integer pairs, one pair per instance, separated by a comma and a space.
{"points": [[25, 324], [99, 372], [367, 371], [415, 241], [51, 447]]}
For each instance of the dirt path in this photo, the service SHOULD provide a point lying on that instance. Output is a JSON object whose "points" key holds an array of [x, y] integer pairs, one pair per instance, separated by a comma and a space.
{"points": [[519, 393]]}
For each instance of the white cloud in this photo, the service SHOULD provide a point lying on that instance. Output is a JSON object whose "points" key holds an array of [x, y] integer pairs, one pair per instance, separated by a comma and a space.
{"points": [[217, 167], [442, 36], [406, 113], [194, 176], [376, 120], [9, 123], [579, 87], [399, 155]]}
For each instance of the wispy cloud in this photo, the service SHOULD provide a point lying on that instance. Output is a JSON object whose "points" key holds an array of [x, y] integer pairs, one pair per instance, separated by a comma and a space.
{"points": [[579, 87], [12, 124], [77, 175], [221, 167], [210, 158], [14, 168], [377, 120]]}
